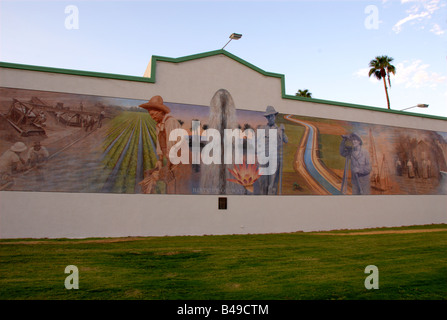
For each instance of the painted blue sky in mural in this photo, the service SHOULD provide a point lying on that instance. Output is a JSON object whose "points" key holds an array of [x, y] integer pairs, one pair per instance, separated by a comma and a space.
{"points": [[323, 46]]}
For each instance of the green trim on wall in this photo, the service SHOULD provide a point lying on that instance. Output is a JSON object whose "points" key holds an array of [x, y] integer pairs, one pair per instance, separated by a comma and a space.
{"points": [[73, 72], [152, 79]]}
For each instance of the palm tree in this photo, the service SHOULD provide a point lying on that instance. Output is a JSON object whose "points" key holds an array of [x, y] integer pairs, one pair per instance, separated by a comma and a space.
{"points": [[381, 68], [304, 93]]}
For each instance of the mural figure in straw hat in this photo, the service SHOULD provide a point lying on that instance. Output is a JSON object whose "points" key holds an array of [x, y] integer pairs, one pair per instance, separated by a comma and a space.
{"points": [[164, 170], [271, 184], [11, 162], [358, 161]]}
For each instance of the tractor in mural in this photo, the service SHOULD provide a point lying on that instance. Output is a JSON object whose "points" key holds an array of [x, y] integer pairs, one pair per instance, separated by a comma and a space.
{"points": [[26, 119]]}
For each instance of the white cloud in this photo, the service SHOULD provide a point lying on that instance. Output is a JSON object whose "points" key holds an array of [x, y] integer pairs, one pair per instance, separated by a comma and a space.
{"points": [[420, 11], [436, 29], [363, 73], [416, 74], [398, 26], [433, 5]]}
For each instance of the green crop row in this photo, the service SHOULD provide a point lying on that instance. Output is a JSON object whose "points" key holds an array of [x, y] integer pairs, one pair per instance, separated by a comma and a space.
{"points": [[113, 134], [115, 152], [116, 125], [131, 161], [127, 170], [149, 154], [127, 128], [126, 178], [150, 124]]}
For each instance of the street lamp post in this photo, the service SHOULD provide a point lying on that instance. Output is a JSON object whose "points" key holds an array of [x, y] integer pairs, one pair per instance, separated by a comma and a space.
{"points": [[233, 36], [420, 105]]}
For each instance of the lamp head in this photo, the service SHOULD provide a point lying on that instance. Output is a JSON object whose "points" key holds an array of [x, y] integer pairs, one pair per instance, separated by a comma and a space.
{"points": [[235, 36]]}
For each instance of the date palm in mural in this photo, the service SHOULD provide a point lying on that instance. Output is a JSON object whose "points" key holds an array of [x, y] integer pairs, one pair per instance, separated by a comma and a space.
{"points": [[381, 68]]}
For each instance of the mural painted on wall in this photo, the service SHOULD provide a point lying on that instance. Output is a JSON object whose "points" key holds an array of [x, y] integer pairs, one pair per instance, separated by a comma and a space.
{"points": [[58, 142]]}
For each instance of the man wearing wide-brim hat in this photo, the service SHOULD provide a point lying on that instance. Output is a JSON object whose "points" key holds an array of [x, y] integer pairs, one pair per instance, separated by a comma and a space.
{"points": [[165, 124], [358, 158], [155, 104], [271, 183], [10, 160], [269, 111]]}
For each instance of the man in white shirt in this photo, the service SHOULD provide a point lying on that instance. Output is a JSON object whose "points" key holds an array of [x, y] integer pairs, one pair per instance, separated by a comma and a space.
{"points": [[37, 154], [351, 148], [11, 162], [271, 184], [171, 174], [165, 124]]}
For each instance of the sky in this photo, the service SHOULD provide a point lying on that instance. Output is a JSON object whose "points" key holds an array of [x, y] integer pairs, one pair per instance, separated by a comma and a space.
{"points": [[322, 46]]}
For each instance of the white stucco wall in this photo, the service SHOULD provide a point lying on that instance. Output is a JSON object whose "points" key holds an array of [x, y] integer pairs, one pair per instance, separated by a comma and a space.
{"points": [[75, 215]]}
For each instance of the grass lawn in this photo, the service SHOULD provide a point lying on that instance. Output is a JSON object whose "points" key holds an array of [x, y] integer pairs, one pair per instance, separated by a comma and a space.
{"points": [[289, 266]]}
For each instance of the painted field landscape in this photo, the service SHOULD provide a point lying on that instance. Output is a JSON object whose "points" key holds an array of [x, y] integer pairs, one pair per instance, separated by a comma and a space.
{"points": [[96, 144]]}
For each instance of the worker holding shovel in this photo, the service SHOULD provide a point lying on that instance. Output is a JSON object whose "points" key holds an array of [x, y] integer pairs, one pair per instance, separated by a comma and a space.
{"points": [[357, 159]]}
